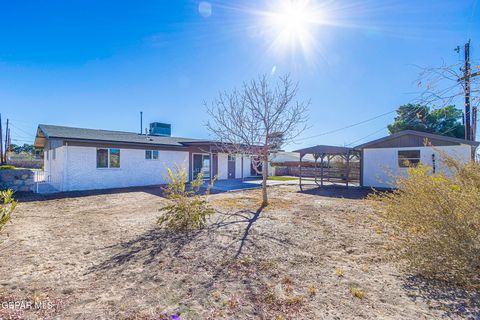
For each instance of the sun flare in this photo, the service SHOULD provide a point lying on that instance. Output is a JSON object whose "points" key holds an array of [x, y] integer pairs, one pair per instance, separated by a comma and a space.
{"points": [[292, 24]]}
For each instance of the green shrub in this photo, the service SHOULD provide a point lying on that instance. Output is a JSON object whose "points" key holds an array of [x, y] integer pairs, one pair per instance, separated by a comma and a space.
{"points": [[189, 209], [7, 205], [436, 221], [7, 167]]}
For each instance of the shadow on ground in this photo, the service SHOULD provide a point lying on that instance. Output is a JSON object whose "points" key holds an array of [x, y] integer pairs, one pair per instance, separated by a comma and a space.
{"points": [[145, 248], [229, 250], [337, 192], [456, 302]]}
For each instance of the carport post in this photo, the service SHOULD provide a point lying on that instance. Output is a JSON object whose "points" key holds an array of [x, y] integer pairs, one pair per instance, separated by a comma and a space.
{"points": [[321, 169], [348, 167], [300, 171]]}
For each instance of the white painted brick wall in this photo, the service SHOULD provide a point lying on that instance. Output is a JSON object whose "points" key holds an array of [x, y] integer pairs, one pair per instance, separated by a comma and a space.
{"points": [[134, 170], [380, 164]]}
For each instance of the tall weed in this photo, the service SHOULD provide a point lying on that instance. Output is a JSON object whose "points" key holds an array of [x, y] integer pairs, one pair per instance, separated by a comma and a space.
{"points": [[189, 209], [436, 221]]}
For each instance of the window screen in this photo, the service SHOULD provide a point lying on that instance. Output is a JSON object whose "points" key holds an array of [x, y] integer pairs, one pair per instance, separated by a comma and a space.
{"points": [[408, 158]]}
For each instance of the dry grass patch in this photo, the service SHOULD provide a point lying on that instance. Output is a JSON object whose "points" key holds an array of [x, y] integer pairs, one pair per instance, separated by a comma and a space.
{"points": [[252, 200]]}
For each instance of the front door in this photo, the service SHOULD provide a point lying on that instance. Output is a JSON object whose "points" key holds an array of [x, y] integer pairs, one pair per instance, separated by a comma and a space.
{"points": [[231, 167]]}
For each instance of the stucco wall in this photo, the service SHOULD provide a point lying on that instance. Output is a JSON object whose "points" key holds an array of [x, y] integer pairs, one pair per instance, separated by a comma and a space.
{"points": [[134, 169], [379, 165]]}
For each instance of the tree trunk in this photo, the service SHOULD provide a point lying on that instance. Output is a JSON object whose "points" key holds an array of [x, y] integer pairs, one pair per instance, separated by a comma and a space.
{"points": [[264, 183]]}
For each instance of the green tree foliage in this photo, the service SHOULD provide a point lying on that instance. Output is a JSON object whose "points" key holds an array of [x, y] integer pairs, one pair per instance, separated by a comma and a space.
{"points": [[26, 148], [189, 209], [444, 121], [7, 205]]}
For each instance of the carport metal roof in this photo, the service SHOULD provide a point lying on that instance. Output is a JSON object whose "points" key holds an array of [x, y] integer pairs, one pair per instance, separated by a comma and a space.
{"points": [[325, 150]]}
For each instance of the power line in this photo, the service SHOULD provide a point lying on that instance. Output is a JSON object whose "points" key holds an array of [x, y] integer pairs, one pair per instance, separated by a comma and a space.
{"points": [[27, 133], [346, 127], [367, 136]]}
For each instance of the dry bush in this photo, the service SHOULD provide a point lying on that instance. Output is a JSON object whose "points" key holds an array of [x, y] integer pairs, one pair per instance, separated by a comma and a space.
{"points": [[189, 209], [436, 221], [7, 205]]}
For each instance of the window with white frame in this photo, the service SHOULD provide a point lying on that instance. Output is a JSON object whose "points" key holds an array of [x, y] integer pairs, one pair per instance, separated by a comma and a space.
{"points": [[152, 154], [408, 158], [108, 158]]}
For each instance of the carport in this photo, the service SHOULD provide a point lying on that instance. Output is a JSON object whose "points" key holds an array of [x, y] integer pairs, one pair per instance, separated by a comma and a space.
{"points": [[334, 175]]}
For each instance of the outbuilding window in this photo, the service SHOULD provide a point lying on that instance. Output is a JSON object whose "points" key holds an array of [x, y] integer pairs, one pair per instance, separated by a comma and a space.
{"points": [[108, 158], [408, 158]]}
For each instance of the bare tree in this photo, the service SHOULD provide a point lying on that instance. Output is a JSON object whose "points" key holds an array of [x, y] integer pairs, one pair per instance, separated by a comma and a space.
{"points": [[445, 85], [257, 120]]}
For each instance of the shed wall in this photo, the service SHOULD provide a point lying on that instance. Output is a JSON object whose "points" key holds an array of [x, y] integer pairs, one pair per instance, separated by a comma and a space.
{"points": [[381, 164]]}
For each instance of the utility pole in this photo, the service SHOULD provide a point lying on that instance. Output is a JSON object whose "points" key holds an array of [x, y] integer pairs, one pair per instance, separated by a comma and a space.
{"points": [[7, 130], [470, 113], [1, 143]]}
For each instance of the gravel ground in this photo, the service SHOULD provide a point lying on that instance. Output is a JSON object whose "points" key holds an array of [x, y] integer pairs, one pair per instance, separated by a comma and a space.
{"points": [[310, 255]]}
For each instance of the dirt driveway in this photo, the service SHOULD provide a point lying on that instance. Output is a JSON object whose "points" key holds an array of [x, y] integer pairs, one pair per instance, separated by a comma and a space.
{"points": [[311, 255]]}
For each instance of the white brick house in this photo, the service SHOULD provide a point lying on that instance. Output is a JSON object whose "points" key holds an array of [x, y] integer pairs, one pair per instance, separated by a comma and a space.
{"points": [[87, 159]]}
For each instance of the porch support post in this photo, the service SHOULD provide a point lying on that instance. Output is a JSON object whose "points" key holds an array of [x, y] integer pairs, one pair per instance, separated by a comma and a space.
{"points": [[243, 176], [211, 163]]}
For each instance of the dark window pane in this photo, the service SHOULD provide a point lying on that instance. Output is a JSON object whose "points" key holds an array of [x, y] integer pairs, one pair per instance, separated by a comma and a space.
{"points": [[155, 154], [197, 165], [408, 158], [114, 158], [102, 158], [148, 154], [409, 154]]}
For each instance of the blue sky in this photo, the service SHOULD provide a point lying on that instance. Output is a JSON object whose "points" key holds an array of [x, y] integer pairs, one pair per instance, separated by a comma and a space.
{"points": [[96, 64]]}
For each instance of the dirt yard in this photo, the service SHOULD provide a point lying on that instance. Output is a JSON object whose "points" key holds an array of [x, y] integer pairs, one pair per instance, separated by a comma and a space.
{"points": [[311, 255]]}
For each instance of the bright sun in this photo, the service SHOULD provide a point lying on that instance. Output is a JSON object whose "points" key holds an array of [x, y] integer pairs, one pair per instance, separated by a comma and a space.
{"points": [[292, 24]]}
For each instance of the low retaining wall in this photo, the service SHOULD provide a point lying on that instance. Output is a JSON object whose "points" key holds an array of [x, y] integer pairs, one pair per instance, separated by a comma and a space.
{"points": [[17, 180]]}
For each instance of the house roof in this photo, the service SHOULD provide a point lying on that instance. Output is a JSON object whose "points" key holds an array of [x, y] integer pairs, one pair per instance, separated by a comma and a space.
{"points": [[412, 138], [46, 131], [324, 149]]}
